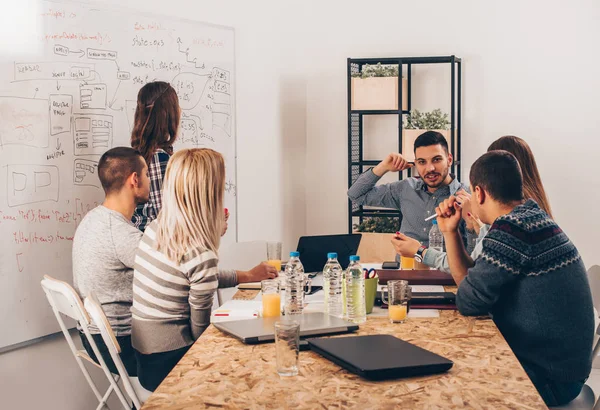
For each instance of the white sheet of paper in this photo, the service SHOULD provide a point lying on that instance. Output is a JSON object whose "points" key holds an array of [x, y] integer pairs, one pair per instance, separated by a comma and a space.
{"points": [[237, 310], [427, 288]]}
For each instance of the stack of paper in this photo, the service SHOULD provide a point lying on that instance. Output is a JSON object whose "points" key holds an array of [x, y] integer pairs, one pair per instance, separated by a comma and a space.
{"points": [[236, 310]]}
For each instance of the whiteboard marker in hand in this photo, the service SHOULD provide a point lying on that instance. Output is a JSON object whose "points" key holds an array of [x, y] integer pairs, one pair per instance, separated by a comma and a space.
{"points": [[429, 218]]}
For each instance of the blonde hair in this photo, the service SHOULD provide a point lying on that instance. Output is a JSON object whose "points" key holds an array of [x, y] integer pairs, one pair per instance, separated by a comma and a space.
{"points": [[192, 216]]}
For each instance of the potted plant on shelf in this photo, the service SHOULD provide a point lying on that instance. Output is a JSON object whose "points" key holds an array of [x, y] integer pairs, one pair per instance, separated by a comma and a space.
{"points": [[375, 87], [416, 123]]}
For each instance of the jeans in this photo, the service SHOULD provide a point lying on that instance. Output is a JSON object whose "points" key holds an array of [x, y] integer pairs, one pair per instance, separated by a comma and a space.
{"points": [[127, 353], [559, 393], [153, 368], [554, 393]]}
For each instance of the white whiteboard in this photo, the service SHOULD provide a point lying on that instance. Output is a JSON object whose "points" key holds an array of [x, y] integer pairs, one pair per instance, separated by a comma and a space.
{"points": [[66, 96]]}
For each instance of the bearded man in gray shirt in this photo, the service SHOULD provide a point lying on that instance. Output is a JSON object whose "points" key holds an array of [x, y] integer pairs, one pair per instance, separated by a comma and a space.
{"points": [[417, 198]]}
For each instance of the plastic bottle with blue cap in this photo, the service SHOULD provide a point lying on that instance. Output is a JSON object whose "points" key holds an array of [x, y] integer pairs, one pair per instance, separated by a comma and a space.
{"points": [[332, 286], [436, 238], [294, 281]]}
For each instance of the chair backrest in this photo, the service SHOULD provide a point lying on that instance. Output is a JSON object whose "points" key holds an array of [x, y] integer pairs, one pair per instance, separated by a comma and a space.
{"points": [[594, 279], [64, 299], [94, 308], [242, 255], [376, 247]]}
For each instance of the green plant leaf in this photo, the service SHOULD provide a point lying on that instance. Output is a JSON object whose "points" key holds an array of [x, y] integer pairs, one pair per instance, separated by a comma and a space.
{"points": [[379, 224]]}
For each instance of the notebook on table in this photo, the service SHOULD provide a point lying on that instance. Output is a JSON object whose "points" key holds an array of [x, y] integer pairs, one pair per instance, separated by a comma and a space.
{"points": [[417, 277], [380, 357]]}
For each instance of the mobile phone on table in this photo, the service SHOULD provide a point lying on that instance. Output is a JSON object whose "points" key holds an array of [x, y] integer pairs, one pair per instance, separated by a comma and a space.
{"points": [[391, 265]]}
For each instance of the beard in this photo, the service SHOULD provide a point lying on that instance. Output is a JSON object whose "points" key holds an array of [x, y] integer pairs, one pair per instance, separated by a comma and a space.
{"points": [[435, 179], [142, 199]]}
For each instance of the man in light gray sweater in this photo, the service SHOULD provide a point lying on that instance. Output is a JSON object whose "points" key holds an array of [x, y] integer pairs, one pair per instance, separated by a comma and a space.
{"points": [[104, 248]]}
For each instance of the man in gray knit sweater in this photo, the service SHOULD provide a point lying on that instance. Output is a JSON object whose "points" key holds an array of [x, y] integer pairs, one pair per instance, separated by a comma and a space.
{"points": [[529, 277]]}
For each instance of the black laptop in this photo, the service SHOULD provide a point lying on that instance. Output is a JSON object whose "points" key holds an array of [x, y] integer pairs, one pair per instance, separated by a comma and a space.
{"points": [[313, 250], [380, 357]]}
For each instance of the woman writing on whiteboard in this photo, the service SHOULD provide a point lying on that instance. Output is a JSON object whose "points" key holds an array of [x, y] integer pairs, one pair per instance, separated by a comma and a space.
{"points": [[175, 272], [155, 128]]}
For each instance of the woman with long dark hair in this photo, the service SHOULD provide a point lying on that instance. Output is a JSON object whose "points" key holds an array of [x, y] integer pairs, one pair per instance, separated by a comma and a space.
{"points": [[532, 182], [155, 128]]}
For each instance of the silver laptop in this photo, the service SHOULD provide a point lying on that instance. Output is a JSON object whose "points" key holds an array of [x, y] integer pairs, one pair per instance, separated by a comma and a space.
{"points": [[253, 331]]}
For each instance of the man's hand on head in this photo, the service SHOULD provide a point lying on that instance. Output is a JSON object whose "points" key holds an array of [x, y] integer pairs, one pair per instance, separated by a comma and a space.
{"points": [[394, 162]]}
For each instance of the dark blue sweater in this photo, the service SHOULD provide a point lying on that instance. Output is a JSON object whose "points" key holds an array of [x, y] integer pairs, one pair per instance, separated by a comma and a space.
{"points": [[532, 280]]}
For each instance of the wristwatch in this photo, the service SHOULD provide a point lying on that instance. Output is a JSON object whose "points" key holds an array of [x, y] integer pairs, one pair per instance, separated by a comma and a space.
{"points": [[419, 254]]}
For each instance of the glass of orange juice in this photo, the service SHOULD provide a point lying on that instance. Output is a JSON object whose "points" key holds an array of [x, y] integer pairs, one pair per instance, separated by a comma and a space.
{"points": [[271, 298], [274, 255], [407, 262], [397, 300]]}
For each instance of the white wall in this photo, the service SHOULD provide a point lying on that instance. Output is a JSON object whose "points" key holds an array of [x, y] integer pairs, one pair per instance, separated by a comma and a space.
{"points": [[46, 376], [271, 144], [530, 69]]}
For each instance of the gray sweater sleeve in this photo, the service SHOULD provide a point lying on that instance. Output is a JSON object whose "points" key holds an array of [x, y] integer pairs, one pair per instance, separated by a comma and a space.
{"points": [[482, 287], [227, 278], [364, 191], [439, 260], [126, 241]]}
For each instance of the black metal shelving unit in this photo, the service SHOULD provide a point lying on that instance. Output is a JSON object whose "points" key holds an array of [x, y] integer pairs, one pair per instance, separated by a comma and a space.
{"points": [[356, 162]]}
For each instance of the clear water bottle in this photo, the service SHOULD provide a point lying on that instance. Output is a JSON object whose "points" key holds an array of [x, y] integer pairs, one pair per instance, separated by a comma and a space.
{"points": [[355, 292], [436, 238], [294, 285], [332, 286]]}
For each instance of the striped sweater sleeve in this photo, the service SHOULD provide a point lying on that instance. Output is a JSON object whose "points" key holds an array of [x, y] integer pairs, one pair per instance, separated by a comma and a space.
{"points": [[203, 277]]}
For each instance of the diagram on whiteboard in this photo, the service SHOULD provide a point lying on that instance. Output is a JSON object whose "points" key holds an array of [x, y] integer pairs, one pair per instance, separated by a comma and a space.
{"points": [[68, 97]]}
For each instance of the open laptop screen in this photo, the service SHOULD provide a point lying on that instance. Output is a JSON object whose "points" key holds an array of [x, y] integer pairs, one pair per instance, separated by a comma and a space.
{"points": [[313, 250]]}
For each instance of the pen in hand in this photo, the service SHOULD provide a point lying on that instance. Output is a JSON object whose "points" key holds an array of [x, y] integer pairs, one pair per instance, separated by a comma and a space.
{"points": [[429, 218]]}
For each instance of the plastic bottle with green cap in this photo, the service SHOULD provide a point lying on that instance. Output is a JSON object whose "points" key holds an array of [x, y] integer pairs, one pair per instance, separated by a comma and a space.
{"points": [[355, 292]]}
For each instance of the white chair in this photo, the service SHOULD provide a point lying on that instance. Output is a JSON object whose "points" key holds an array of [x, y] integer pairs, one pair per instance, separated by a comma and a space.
{"points": [[240, 256], [63, 299], [594, 279], [134, 389]]}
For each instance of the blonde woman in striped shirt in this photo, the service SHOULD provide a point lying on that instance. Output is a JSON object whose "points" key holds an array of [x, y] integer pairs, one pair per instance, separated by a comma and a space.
{"points": [[175, 272]]}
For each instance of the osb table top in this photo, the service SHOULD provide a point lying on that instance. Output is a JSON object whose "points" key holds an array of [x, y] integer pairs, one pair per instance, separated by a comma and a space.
{"points": [[220, 371]]}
